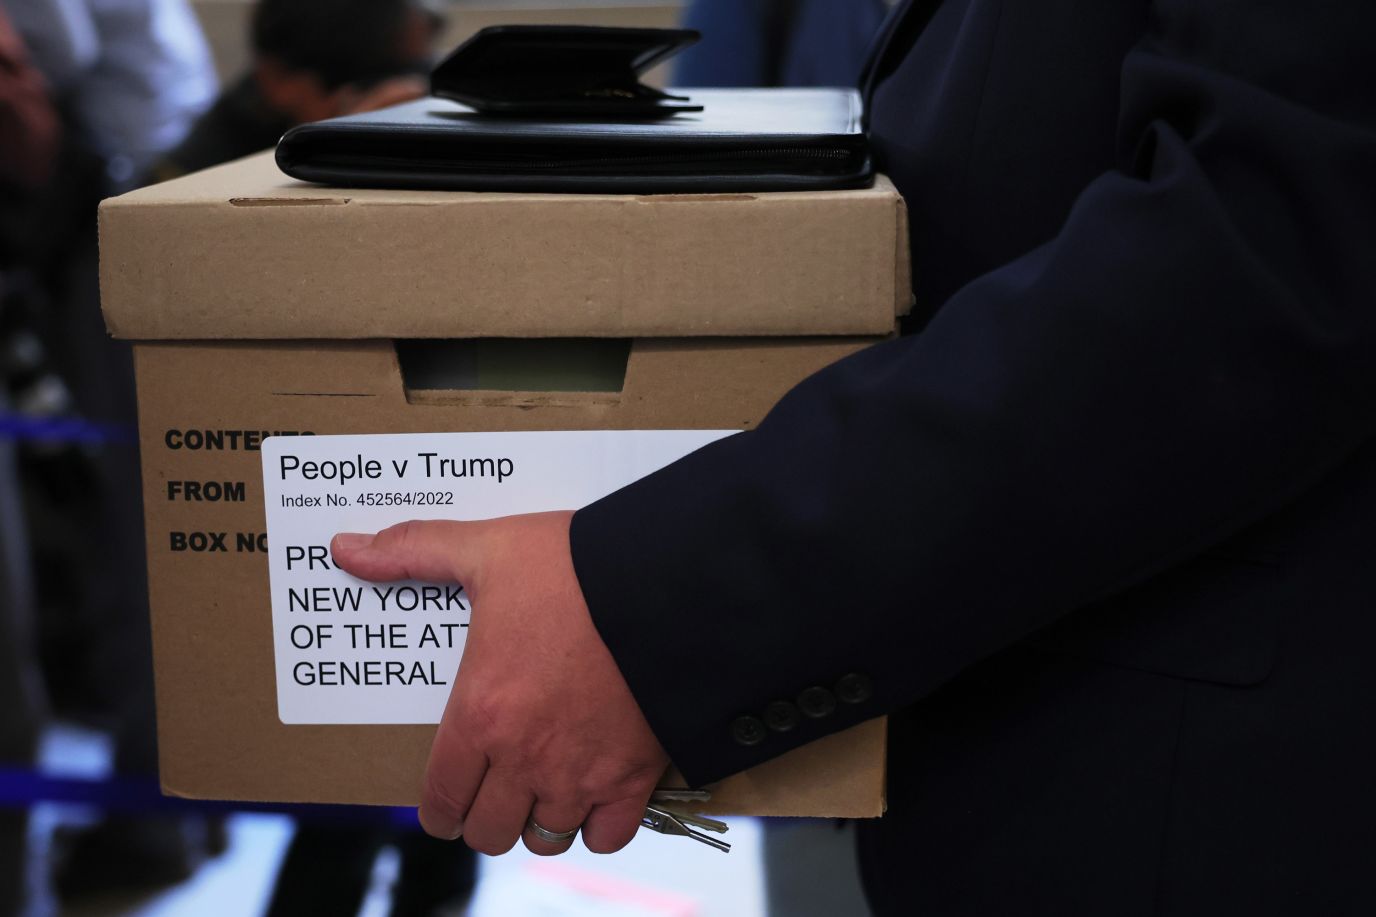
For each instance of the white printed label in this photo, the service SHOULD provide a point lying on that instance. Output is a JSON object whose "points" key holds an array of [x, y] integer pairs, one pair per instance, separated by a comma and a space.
{"points": [[348, 651]]}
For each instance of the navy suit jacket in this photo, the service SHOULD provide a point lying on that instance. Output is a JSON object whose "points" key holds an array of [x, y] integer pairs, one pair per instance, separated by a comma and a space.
{"points": [[1102, 532]]}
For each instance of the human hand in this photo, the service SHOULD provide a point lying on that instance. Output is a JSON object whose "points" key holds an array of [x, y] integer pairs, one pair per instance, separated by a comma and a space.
{"points": [[540, 725]]}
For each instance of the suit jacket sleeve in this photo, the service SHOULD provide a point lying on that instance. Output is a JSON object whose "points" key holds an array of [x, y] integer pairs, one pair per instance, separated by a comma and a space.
{"points": [[1194, 349]]}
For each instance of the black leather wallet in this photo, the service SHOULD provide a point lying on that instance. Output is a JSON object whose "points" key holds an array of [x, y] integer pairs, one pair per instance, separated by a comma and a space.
{"points": [[562, 109], [562, 70]]}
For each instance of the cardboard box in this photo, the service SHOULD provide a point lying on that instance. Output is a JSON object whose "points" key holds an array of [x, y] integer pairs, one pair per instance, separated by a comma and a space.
{"points": [[260, 305], [226, 22]]}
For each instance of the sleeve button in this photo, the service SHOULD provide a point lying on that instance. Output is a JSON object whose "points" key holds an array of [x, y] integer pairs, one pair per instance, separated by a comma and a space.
{"points": [[816, 702], [781, 716], [855, 688], [747, 730]]}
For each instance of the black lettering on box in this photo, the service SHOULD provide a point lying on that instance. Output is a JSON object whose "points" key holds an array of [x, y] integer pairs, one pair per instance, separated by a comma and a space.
{"points": [[199, 542], [223, 440], [251, 543], [206, 491]]}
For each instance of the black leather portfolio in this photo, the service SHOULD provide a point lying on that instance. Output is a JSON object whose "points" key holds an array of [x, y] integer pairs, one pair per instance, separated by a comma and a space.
{"points": [[562, 109]]}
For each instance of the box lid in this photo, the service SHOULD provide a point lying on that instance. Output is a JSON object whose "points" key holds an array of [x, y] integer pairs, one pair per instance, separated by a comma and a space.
{"points": [[241, 251]]}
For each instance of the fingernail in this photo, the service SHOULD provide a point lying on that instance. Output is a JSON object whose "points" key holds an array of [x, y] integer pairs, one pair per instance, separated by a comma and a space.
{"points": [[351, 541], [450, 832]]}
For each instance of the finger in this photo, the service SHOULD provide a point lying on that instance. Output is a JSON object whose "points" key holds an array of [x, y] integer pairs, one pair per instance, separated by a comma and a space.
{"points": [[499, 814], [432, 551], [453, 774], [610, 827], [556, 816]]}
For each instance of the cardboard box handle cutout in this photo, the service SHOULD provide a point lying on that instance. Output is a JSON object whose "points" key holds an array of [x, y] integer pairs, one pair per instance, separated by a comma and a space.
{"points": [[512, 365]]}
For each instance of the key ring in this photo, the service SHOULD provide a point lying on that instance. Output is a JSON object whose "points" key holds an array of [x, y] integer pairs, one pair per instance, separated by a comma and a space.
{"points": [[663, 816]]}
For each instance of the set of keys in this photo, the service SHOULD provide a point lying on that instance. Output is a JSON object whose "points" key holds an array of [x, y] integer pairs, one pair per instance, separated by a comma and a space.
{"points": [[665, 815]]}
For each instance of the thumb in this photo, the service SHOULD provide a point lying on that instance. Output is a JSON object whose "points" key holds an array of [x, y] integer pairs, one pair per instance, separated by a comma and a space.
{"points": [[432, 551]]}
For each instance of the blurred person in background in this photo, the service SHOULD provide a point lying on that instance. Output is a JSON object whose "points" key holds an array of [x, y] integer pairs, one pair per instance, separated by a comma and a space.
{"points": [[312, 60], [132, 74], [29, 126], [29, 137], [129, 77], [779, 42]]}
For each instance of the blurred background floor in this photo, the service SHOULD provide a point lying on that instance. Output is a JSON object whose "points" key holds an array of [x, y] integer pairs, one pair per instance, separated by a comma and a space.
{"points": [[654, 877]]}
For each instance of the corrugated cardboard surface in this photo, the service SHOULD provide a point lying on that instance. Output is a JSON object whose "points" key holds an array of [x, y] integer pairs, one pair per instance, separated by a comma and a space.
{"points": [[218, 729], [243, 252]]}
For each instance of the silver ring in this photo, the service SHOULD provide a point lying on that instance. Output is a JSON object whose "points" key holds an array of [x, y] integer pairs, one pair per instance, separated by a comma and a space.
{"points": [[551, 837]]}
